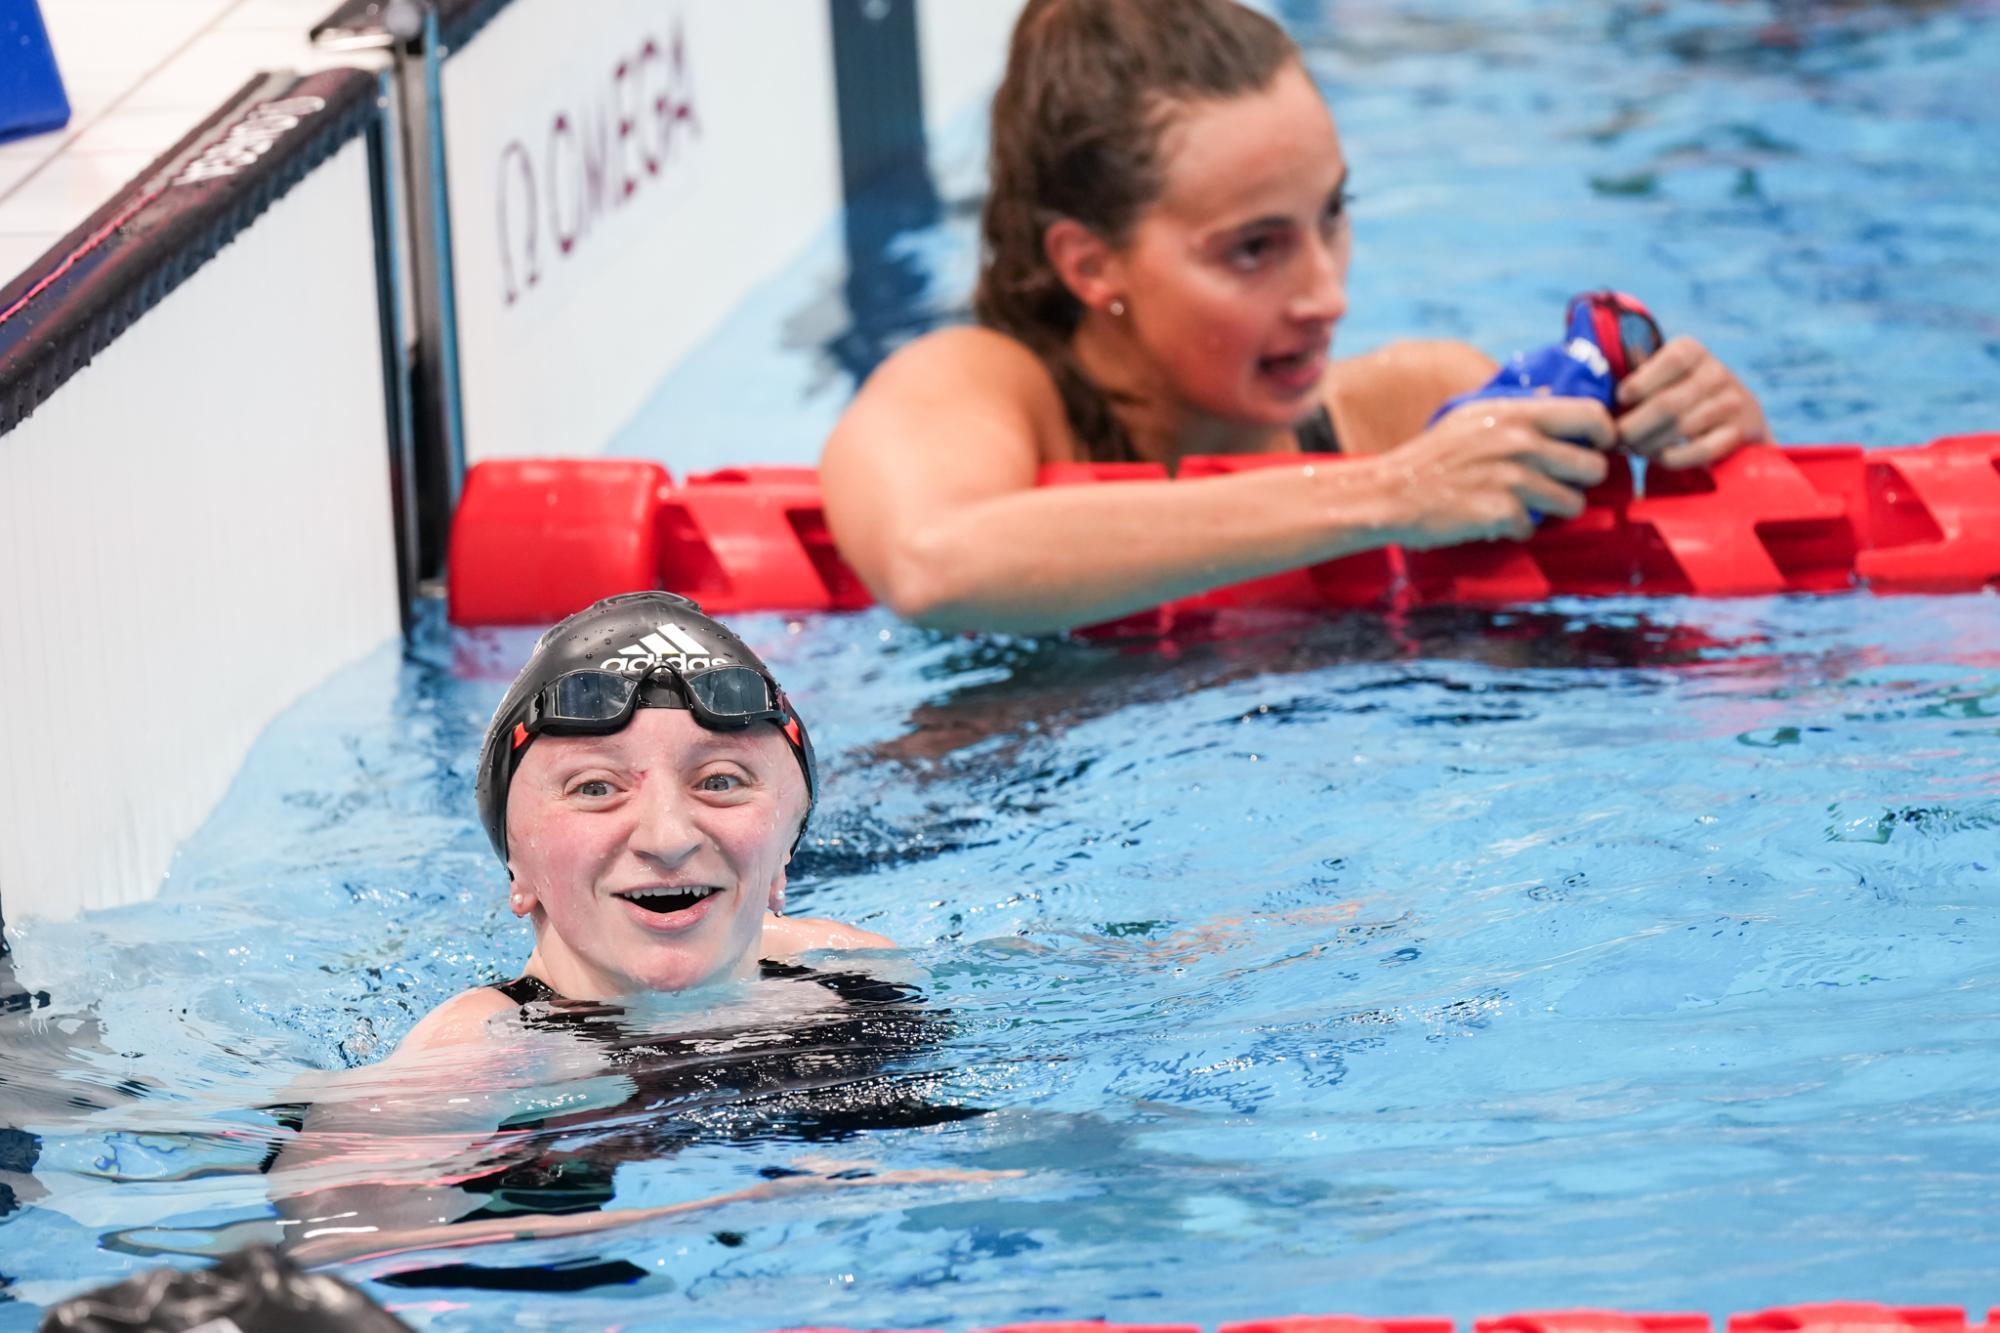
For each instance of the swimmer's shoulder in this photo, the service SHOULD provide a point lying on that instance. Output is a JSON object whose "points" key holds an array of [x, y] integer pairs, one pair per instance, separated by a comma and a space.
{"points": [[1382, 398], [457, 1022], [978, 380], [969, 356], [788, 937]]}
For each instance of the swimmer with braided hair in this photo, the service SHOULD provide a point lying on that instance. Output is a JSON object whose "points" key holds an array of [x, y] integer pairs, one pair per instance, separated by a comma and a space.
{"points": [[1164, 260]]}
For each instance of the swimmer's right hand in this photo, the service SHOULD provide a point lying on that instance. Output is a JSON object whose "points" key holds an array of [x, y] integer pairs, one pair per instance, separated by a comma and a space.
{"points": [[1487, 469]]}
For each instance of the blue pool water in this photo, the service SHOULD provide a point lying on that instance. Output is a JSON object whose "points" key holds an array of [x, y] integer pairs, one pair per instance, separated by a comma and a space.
{"points": [[1637, 953]]}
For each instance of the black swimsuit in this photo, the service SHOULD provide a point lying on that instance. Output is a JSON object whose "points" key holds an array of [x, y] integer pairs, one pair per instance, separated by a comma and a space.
{"points": [[824, 1076], [1316, 433]]}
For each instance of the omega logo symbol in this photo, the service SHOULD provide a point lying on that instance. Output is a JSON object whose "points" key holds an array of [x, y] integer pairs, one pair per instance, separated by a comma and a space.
{"points": [[593, 160]]}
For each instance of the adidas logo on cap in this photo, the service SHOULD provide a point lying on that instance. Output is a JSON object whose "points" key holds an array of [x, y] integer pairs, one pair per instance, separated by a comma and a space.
{"points": [[667, 645]]}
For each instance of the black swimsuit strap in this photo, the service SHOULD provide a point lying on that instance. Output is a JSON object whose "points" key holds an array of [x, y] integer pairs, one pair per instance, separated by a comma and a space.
{"points": [[527, 990], [1316, 434], [530, 990]]}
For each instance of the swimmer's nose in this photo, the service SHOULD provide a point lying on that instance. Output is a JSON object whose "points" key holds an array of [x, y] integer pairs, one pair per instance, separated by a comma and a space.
{"points": [[1323, 295], [664, 832]]}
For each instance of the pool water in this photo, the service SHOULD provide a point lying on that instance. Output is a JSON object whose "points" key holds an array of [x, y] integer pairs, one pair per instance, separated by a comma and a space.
{"points": [[1638, 953]]}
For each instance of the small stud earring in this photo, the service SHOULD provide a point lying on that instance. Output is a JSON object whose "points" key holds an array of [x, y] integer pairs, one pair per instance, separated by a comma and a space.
{"points": [[1117, 308], [519, 901]]}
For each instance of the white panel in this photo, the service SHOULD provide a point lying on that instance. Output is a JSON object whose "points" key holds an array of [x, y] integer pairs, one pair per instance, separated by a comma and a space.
{"points": [[610, 203], [964, 44], [194, 531]]}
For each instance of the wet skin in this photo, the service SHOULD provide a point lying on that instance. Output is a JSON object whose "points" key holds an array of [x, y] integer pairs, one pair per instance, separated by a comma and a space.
{"points": [[648, 858], [1232, 282]]}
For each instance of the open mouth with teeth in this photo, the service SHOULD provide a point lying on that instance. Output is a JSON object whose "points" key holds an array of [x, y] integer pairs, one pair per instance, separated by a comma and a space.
{"points": [[665, 902], [1292, 368]]}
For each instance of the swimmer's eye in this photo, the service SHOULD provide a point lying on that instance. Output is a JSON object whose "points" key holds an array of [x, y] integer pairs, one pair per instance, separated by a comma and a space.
{"points": [[1336, 208], [719, 782], [1254, 251], [596, 789]]}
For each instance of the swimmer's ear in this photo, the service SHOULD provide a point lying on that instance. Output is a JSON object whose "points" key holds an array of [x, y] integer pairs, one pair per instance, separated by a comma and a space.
{"points": [[520, 901], [777, 898], [1087, 265]]}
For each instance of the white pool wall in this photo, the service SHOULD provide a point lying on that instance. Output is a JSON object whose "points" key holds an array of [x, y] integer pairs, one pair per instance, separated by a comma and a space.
{"points": [[195, 530]]}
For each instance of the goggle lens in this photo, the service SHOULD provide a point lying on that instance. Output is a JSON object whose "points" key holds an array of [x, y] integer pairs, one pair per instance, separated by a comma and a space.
{"points": [[732, 692], [1638, 335], [589, 696], [602, 701]]}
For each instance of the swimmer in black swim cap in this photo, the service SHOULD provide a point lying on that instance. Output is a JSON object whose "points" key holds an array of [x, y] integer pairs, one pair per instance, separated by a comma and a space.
{"points": [[646, 781], [591, 671]]}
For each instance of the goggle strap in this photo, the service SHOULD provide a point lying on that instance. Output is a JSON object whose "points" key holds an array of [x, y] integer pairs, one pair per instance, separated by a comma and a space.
{"points": [[1604, 323], [1608, 310]]}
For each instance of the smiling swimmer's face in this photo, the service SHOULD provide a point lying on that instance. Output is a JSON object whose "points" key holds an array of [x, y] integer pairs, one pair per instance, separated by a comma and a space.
{"points": [[1238, 272], [649, 857]]}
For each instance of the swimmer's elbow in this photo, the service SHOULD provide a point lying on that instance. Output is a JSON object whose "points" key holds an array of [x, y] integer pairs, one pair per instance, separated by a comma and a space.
{"points": [[922, 580], [937, 577]]}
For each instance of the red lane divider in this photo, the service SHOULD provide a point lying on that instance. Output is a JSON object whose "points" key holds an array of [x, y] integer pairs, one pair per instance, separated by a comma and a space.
{"points": [[1338, 1323], [1092, 1326], [536, 539], [1938, 503], [1825, 1317], [1594, 1321], [754, 539], [1852, 1317], [1757, 524]]}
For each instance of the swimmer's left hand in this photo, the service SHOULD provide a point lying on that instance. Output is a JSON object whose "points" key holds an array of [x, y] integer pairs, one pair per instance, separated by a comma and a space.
{"points": [[1683, 408]]}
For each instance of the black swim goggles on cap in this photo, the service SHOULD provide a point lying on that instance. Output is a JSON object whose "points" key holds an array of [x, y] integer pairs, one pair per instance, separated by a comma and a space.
{"points": [[598, 703]]}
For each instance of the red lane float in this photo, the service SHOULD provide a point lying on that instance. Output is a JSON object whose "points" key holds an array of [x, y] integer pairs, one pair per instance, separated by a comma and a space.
{"points": [[1852, 1317], [1092, 1326], [1825, 1317], [1337, 1323], [536, 539], [1594, 1321]]}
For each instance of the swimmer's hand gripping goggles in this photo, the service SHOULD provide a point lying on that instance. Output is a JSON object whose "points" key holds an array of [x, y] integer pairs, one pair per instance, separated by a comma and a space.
{"points": [[1606, 335]]}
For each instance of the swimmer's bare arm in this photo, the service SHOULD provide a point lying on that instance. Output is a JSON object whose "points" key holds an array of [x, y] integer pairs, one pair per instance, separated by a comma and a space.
{"points": [[930, 491], [369, 1242], [385, 1145]]}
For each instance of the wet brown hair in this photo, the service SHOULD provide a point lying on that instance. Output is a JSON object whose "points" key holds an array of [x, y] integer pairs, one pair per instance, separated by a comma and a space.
{"points": [[1090, 90]]}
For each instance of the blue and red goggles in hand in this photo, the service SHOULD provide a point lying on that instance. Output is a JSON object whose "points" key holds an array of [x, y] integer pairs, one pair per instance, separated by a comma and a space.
{"points": [[1620, 326], [1606, 335], [722, 698]]}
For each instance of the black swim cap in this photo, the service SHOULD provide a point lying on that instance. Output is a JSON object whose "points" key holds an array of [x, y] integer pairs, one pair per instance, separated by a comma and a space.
{"points": [[629, 634]]}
